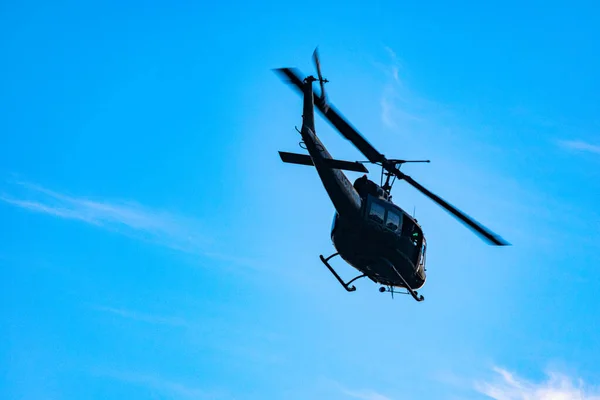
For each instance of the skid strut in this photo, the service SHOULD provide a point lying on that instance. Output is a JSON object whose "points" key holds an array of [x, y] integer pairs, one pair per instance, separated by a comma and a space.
{"points": [[413, 293], [340, 280]]}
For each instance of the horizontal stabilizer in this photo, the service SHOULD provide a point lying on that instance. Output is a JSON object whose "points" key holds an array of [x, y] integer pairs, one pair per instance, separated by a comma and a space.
{"points": [[304, 159]]}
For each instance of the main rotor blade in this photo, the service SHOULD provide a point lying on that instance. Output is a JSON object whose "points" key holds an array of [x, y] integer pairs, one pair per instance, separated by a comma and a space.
{"points": [[292, 75], [336, 119], [320, 75], [471, 223], [350, 133]]}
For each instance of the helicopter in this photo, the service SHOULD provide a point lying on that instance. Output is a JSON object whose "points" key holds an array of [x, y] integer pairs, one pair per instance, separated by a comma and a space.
{"points": [[369, 231]]}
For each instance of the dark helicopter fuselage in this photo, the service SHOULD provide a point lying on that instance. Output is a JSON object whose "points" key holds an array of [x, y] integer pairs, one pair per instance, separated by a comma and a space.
{"points": [[382, 231], [369, 231]]}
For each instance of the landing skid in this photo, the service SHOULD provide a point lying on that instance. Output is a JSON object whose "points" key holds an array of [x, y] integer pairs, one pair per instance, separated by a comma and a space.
{"points": [[413, 293], [340, 280], [352, 288]]}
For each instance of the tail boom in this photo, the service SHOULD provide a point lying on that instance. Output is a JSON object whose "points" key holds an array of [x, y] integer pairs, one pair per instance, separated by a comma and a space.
{"points": [[340, 190]]}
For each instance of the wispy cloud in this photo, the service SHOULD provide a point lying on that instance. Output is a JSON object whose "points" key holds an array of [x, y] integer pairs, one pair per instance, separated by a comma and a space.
{"points": [[143, 317], [366, 395], [398, 105], [508, 386], [362, 394], [580, 145], [395, 67], [125, 217], [169, 388]]}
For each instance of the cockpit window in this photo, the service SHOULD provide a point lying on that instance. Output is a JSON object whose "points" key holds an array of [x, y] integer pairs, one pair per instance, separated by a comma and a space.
{"points": [[392, 221], [423, 254], [411, 231], [407, 227], [415, 236], [377, 212]]}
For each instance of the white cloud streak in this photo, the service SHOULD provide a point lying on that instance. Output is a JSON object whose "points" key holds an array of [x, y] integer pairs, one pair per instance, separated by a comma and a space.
{"points": [[143, 317], [508, 386], [171, 389], [580, 145], [366, 395], [127, 218], [396, 108], [361, 394]]}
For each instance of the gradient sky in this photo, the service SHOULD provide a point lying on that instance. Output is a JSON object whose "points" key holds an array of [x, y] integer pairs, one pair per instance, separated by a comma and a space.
{"points": [[153, 245]]}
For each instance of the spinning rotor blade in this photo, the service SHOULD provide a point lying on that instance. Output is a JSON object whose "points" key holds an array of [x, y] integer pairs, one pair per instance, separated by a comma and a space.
{"points": [[350, 133], [471, 223], [292, 75], [336, 119], [318, 66]]}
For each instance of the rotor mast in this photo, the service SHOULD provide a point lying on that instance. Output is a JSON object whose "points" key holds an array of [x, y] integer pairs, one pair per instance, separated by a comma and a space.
{"points": [[387, 186]]}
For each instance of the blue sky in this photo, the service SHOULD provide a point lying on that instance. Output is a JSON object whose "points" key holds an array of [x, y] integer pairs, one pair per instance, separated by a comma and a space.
{"points": [[154, 246]]}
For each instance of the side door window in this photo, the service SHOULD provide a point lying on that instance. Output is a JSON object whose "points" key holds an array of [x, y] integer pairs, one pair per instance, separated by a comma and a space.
{"points": [[376, 212], [392, 221]]}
